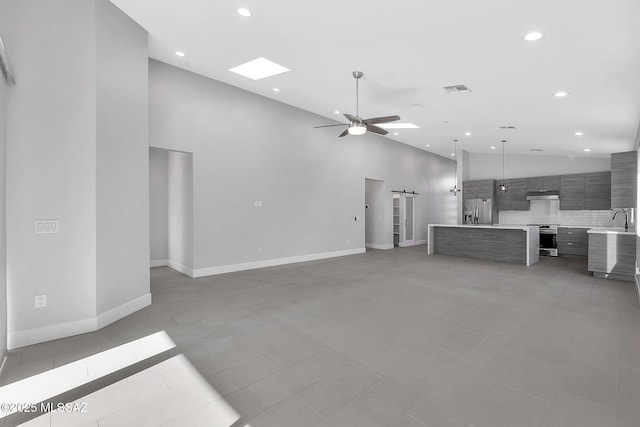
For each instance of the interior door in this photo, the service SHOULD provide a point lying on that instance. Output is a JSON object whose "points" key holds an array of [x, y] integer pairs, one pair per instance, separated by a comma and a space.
{"points": [[409, 220]]}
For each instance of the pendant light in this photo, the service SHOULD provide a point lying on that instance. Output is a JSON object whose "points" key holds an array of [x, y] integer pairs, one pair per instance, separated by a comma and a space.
{"points": [[455, 190], [503, 185]]}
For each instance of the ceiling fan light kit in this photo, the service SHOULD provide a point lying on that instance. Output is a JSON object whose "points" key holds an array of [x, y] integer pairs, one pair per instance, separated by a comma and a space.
{"points": [[358, 125]]}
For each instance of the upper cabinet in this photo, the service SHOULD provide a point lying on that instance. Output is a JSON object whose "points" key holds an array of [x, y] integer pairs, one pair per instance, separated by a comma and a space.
{"points": [[518, 189], [572, 192], [597, 191], [516, 198], [624, 175], [481, 189], [544, 183]]}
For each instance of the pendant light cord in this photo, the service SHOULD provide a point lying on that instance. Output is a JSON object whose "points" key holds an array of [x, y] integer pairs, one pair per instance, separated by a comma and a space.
{"points": [[503, 141]]}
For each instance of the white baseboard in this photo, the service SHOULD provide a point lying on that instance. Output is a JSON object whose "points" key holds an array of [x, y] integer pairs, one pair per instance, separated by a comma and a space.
{"points": [[123, 310], [413, 243], [48, 333], [158, 263], [379, 246], [181, 268], [62, 330], [201, 272]]}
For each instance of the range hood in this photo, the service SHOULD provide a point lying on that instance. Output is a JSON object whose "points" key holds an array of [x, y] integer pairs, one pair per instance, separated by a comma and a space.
{"points": [[543, 195]]}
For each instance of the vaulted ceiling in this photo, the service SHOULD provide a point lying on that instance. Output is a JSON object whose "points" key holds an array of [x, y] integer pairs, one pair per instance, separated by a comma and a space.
{"points": [[410, 49]]}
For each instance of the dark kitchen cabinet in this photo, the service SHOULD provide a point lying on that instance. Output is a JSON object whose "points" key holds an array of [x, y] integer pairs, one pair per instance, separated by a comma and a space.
{"points": [[518, 190], [535, 183], [503, 200], [552, 182], [573, 242], [480, 189], [597, 191], [544, 183], [572, 192], [516, 198], [624, 175]]}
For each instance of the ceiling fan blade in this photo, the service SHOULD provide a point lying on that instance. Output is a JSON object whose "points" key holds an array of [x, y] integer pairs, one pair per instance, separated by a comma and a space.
{"points": [[328, 126], [376, 129], [376, 120], [345, 133], [350, 117]]}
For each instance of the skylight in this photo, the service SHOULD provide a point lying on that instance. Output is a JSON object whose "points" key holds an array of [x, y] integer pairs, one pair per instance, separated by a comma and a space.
{"points": [[259, 69]]}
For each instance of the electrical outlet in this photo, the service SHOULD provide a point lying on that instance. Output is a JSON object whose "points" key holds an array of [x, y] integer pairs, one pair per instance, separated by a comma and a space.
{"points": [[256, 204], [41, 301]]}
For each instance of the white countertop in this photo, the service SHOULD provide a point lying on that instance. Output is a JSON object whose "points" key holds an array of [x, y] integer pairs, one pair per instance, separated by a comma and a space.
{"points": [[610, 230], [496, 226]]}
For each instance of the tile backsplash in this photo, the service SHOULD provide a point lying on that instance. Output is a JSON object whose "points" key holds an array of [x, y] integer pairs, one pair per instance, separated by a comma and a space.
{"points": [[548, 212]]}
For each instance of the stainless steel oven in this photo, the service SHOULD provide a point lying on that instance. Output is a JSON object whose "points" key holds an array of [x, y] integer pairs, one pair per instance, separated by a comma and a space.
{"points": [[548, 239]]}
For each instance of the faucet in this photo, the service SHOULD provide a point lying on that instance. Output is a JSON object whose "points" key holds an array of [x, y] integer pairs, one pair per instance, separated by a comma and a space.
{"points": [[626, 218]]}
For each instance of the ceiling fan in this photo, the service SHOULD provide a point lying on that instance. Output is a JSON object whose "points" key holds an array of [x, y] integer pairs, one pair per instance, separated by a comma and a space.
{"points": [[357, 125]]}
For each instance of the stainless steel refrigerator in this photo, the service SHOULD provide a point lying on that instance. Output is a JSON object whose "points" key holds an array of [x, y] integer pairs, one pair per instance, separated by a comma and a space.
{"points": [[478, 211]]}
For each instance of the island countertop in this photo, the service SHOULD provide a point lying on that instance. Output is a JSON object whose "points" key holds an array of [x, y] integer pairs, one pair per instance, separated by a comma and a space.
{"points": [[510, 243], [496, 226]]}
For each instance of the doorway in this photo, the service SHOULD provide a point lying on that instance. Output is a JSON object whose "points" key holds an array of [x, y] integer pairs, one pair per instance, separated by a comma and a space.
{"points": [[404, 219], [374, 223], [171, 209]]}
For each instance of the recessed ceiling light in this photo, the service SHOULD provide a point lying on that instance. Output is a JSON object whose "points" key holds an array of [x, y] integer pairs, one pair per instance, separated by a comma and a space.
{"points": [[587, 149], [417, 105], [531, 37], [578, 133], [336, 112], [492, 147], [243, 12], [428, 145], [396, 133], [561, 94], [467, 133], [453, 154], [180, 53], [275, 89], [398, 126], [259, 69]]}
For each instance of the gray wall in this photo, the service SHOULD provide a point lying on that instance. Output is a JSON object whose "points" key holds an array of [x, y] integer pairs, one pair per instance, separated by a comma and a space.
{"points": [[248, 148], [3, 240], [61, 116], [51, 152], [122, 158], [158, 205], [489, 166], [180, 209]]}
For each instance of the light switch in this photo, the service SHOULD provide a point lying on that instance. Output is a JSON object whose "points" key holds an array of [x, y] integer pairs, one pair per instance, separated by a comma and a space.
{"points": [[42, 226]]}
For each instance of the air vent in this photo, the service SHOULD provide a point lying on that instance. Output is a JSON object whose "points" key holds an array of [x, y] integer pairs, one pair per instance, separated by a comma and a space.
{"points": [[456, 89], [508, 127], [536, 149]]}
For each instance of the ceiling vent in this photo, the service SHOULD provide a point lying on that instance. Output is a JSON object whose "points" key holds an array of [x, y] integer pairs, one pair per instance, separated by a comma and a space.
{"points": [[508, 127], [538, 150], [456, 89]]}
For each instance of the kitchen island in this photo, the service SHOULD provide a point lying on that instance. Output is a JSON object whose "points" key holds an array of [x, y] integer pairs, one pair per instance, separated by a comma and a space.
{"points": [[510, 243]]}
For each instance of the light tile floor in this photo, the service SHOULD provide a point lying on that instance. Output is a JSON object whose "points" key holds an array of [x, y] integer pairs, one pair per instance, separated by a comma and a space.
{"points": [[394, 338]]}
